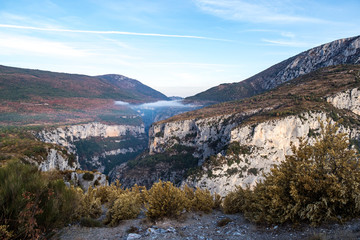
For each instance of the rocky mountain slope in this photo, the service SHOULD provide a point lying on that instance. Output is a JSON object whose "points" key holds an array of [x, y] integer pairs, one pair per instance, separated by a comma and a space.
{"points": [[343, 51], [41, 97], [233, 142]]}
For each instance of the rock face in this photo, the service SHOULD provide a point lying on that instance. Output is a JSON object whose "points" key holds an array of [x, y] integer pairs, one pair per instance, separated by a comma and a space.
{"points": [[349, 99], [84, 180], [66, 136], [235, 153], [98, 145], [343, 51], [256, 148], [57, 161], [205, 135]]}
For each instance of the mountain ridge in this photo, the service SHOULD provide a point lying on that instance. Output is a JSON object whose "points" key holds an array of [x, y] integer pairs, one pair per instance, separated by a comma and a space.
{"points": [[341, 51], [31, 96]]}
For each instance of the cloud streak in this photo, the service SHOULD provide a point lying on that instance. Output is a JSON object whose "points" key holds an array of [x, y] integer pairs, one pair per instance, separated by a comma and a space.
{"points": [[253, 11], [107, 32]]}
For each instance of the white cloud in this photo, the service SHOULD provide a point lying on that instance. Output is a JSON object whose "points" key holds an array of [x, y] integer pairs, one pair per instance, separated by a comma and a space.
{"points": [[288, 43], [253, 11], [105, 32]]}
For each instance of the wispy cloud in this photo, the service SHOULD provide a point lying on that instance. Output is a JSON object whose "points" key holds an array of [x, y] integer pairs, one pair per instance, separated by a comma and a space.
{"points": [[253, 11], [288, 43], [106, 32]]}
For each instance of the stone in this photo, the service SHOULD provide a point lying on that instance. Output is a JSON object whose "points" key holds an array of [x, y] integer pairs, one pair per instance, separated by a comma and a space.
{"points": [[132, 236]]}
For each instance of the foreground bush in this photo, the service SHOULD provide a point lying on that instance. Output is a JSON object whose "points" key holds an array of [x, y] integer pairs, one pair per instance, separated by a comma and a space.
{"points": [[31, 204], [164, 200], [90, 205], [127, 206], [316, 184]]}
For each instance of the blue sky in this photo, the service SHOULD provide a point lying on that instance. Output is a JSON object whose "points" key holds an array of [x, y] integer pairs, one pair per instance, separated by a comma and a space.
{"points": [[179, 47]]}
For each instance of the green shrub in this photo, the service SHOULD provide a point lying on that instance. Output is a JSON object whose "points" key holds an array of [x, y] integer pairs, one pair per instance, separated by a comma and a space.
{"points": [[88, 176], [316, 184], [164, 200], [31, 203]]}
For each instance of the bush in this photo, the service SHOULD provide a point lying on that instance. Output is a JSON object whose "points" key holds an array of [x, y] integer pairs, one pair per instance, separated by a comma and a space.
{"points": [[164, 200], [90, 205], [203, 201], [88, 176], [32, 204], [4, 233], [235, 201], [127, 206], [316, 184]]}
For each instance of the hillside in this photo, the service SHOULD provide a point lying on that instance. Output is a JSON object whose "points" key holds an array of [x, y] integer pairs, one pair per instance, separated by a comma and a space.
{"points": [[343, 51], [37, 97], [234, 141]]}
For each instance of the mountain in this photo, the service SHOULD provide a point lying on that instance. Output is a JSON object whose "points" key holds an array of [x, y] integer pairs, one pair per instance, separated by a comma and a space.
{"points": [[343, 51], [140, 90], [42, 97], [232, 143]]}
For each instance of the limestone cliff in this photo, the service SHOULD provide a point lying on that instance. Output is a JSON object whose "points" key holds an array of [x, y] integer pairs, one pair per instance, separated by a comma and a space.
{"points": [[97, 145]]}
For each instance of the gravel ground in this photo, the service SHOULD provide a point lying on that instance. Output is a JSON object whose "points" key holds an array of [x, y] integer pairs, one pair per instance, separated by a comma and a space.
{"points": [[205, 227]]}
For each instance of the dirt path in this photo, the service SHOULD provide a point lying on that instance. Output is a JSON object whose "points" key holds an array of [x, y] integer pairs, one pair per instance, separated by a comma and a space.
{"points": [[205, 227]]}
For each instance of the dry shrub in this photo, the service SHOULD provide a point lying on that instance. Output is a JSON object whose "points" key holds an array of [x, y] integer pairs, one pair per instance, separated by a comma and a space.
{"points": [[217, 201], [164, 200], [235, 201], [203, 201], [127, 206], [90, 205]]}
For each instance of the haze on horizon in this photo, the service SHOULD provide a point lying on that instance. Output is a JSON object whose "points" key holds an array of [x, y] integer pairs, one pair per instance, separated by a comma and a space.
{"points": [[177, 47]]}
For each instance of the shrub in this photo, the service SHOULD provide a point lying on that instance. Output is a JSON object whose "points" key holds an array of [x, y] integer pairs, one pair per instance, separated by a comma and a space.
{"points": [[235, 201], [90, 205], [32, 204], [203, 201], [88, 176], [217, 201], [127, 206], [164, 200], [316, 184], [4, 233]]}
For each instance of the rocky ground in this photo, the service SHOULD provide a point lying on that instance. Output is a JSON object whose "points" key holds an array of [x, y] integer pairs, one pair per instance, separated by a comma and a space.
{"points": [[208, 227]]}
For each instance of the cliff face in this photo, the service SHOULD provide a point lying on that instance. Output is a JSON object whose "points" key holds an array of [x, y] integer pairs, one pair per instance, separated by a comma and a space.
{"points": [[66, 136], [96, 144], [206, 136], [57, 161], [233, 152]]}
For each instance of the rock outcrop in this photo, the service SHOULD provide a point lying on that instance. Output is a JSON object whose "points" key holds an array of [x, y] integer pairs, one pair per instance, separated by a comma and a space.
{"points": [[66, 136], [96, 144], [57, 161]]}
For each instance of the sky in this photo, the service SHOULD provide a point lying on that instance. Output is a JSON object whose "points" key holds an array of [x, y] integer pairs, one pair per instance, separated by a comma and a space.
{"points": [[178, 47]]}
